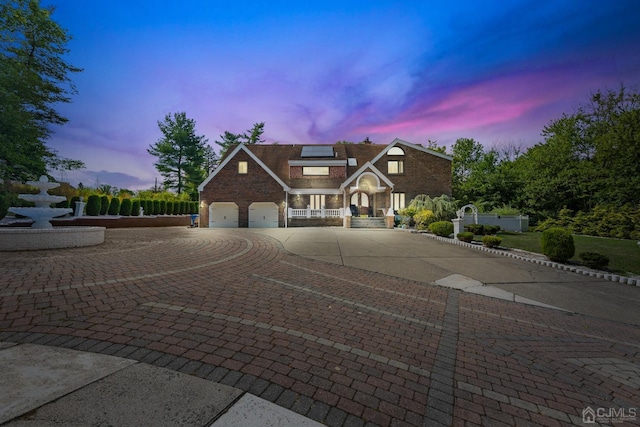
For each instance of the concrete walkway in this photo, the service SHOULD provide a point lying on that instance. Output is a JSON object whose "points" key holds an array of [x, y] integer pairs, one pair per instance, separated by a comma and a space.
{"points": [[182, 326]]}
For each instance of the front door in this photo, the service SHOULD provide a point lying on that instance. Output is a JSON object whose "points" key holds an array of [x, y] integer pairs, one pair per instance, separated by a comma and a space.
{"points": [[360, 205]]}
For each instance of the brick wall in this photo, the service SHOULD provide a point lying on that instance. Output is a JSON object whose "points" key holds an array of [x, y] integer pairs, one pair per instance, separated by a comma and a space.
{"points": [[424, 173], [243, 189]]}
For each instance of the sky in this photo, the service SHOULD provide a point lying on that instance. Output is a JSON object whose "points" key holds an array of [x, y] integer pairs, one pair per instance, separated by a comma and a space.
{"points": [[322, 71]]}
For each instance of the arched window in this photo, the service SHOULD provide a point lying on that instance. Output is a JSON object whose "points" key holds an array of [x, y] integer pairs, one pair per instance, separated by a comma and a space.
{"points": [[395, 151], [395, 163]]}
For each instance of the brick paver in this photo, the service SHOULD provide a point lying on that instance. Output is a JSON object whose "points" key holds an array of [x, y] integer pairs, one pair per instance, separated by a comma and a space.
{"points": [[342, 346]]}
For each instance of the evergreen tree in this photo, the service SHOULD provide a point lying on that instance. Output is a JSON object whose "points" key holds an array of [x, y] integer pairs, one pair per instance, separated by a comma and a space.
{"points": [[180, 153]]}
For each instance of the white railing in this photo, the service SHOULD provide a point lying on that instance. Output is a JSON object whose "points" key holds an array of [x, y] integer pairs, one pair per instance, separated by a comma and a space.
{"points": [[315, 213]]}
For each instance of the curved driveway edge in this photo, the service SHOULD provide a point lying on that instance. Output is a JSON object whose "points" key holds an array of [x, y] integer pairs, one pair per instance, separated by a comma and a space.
{"points": [[336, 343]]}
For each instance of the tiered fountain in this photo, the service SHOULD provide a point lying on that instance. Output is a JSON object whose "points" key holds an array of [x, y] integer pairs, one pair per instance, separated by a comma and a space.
{"points": [[41, 234]]}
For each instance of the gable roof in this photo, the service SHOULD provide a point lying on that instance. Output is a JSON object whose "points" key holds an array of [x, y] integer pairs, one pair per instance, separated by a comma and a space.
{"points": [[254, 157], [399, 141]]}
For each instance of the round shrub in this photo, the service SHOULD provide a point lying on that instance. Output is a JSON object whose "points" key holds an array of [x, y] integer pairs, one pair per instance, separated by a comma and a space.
{"points": [[557, 244], [491, 241], [490, 230], [93, 205], [135, 208], [125, 207], [594, 260], [104, 205], [423, 218], [465, 236], [476, 229], [114, 206], [441, 228]]}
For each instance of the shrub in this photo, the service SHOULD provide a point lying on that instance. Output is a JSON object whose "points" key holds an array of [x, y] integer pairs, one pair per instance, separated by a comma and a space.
{"points": [[176, 208], [135, 208], [491, 241], [156, 207], [169, 208], [423, 218], [63, 204], [104, 205], [163, 207], [557, 244], [476, 229], [594, 260], [114, 206], [125, 207], [490, 230], [183, 207], [441, 228], [93, 205], [465, 236]]}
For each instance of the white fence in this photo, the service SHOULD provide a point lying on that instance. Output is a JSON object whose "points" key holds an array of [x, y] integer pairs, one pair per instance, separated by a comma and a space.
{"points": [[508, 223], [315, 213]]}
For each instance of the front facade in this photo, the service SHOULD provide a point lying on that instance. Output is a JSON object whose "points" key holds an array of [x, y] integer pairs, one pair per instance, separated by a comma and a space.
{"points": [[310, 185]]}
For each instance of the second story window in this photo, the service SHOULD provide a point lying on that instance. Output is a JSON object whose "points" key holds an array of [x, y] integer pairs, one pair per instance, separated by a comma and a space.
{"points": [[395, 167], [395, 162], [243, 167], [315, 170]]}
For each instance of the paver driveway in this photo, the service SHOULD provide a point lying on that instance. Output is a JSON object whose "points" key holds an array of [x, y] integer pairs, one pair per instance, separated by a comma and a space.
{"points": [[341, 345]]}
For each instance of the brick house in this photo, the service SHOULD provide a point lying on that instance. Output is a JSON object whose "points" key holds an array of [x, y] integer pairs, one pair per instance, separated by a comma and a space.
{"points": [[310, 185]]}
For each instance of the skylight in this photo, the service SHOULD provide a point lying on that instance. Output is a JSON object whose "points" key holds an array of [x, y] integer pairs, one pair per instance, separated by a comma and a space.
{"points": [[317, 151]]}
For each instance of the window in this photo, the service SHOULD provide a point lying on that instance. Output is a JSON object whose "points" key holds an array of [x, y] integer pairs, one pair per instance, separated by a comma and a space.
{"points": [[243, 167], [315, 170], [395, 167], [316, 201], [395, 151], [353, 161], [398, 201]]}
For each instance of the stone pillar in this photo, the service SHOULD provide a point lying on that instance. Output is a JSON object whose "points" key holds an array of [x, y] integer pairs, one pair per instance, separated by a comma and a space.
{"points": [[390, 218], [458, 226], [80, 208], [346, 221]]}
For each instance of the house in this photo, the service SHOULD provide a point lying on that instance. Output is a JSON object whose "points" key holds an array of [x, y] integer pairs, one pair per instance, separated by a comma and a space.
{"points": [[311, 185]]}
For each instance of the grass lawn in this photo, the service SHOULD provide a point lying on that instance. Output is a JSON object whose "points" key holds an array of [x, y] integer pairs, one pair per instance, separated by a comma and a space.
{"points": [[624, 255]]}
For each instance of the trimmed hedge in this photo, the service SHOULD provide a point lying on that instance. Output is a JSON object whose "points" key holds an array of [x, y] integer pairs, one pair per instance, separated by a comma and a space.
{"points": [[441, 228], [176, 208], [163, 207], [93, 205], [104, 205], [557, 244], [135, 208], [114, 206], [125, 207], [465, 236], [491, 241]]}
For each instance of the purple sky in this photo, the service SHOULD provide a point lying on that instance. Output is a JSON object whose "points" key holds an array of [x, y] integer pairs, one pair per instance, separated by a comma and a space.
{"points": [[324, 71]]}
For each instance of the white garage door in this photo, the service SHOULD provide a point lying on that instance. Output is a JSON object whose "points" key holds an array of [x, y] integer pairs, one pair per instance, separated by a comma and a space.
{"points": [[263, 215], [223, 215]]}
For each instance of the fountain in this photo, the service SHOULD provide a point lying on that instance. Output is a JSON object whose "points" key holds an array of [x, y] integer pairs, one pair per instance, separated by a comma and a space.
{"points": [[41, 234], [42, 213]]}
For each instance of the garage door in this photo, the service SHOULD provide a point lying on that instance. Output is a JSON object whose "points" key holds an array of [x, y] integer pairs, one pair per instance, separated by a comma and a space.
{"points": [[223, 215], [263, 215]]}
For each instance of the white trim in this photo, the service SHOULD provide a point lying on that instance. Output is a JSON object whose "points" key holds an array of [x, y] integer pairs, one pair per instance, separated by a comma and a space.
{"points": [[317, 162], [306, 191], [410, 145], [254, 157], [368, 165]]}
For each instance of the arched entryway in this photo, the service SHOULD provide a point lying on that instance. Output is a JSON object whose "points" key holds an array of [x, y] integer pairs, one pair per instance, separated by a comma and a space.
{"points": [[360, 204]]}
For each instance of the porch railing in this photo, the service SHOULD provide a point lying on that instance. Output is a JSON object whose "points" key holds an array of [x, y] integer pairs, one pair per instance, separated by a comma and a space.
{"points": [[315, 213]]}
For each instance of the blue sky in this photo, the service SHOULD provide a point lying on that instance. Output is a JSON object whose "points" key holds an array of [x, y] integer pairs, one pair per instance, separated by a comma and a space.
{"points": [[324, 71]]}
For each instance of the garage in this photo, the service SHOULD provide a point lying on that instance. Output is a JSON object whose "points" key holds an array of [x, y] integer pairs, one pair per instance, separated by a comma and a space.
{"points": [[263, 215], [223, 215]]}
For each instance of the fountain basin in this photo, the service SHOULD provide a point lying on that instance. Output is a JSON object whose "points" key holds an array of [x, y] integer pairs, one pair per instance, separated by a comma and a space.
{"points": [[40, 216], [29, 239]]}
